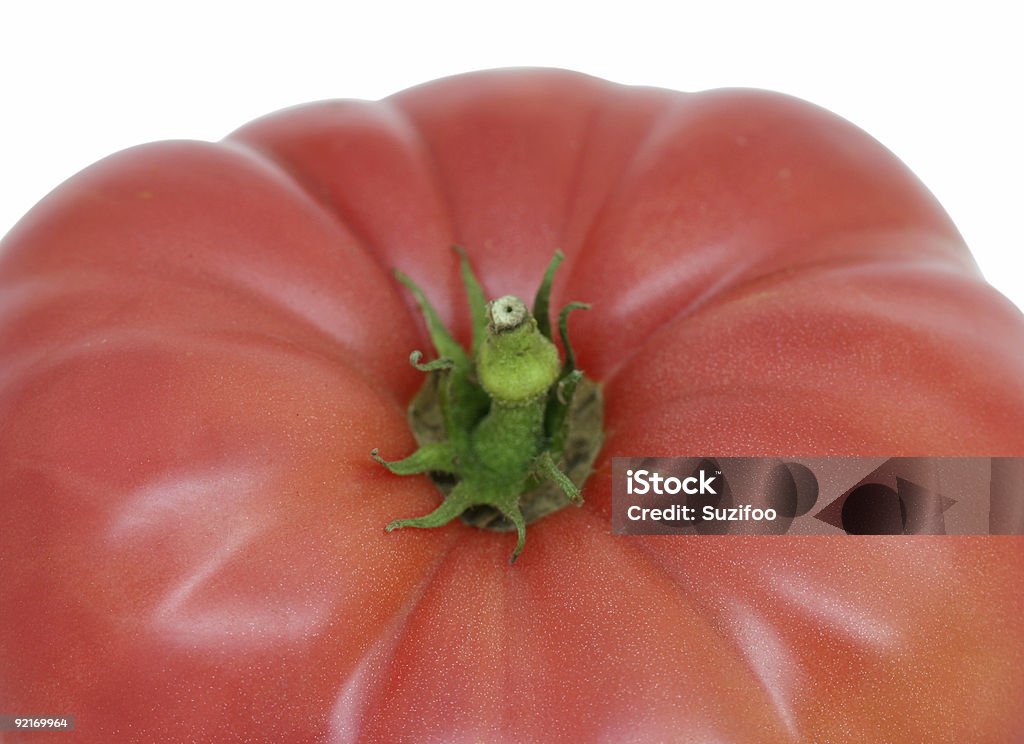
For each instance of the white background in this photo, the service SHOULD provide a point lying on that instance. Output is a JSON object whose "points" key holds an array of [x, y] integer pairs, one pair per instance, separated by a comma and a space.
{"points": [[940, 87]]}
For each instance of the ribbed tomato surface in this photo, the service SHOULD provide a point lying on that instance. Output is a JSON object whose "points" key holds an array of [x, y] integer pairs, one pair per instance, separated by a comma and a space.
{"points": [[201, 343]]}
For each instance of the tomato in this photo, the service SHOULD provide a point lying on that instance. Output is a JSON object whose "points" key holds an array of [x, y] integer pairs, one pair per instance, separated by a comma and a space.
{"points": [[201, 343]]}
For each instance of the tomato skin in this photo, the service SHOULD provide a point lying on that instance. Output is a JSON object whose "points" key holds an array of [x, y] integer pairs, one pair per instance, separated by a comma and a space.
{"points": [[200, 344]]}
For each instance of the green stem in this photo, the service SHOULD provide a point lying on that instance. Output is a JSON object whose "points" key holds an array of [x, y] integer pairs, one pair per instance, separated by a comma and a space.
{"points": [[500, 417]]}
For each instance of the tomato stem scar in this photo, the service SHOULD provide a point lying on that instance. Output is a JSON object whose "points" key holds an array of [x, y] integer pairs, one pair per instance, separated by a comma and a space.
{"points": [[508, 431]]}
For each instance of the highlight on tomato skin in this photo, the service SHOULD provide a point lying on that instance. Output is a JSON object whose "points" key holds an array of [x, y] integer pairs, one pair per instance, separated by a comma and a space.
{"points": [[201, 343]]}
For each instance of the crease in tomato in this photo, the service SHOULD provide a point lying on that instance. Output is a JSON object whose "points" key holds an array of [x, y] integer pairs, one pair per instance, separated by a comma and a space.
{"points": [[508, 430]]}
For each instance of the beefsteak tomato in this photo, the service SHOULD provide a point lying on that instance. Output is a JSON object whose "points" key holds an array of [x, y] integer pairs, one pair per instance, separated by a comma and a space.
{"points": [[201, 343]]}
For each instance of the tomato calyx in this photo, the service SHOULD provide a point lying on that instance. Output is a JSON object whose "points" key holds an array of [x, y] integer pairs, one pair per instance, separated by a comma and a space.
{"points": [[508, 431]]}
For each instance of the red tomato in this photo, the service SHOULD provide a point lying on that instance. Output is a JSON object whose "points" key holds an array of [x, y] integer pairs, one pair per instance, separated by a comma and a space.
{"points": [[201, 343]]}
